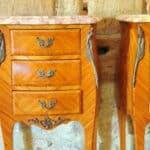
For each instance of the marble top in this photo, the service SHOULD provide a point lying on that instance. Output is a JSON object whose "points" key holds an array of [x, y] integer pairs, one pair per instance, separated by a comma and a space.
{"points": [[134, 18], [31, 20]]}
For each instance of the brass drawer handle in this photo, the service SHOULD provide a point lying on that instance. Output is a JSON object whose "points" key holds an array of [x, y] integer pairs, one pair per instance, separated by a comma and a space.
{"points": [[44, 44], [42, 74], [140, 53], [48, 105], [2, 48]]}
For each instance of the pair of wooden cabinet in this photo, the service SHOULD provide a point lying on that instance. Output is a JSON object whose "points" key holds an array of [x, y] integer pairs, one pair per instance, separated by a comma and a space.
{"points": [[134, 77], [48, 74]]}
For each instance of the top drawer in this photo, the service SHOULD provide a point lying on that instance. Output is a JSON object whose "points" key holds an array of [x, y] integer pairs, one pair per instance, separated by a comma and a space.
{"points": [[45, 42]]}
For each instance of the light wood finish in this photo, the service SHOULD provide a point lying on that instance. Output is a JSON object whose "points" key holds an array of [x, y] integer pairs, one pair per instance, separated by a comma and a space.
{"points": [[134, 101], [26, 73], [62, 42], [40, 7], [108, 9], [27, 7], [148, 6], [46, 88], [108, 26], [63, 57], [86, 108], [67, 8], [33, 107]]}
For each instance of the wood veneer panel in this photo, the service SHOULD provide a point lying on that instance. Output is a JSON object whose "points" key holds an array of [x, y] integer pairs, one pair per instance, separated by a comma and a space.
{"points": [[66, 102], [65, 42], [26, 73]]}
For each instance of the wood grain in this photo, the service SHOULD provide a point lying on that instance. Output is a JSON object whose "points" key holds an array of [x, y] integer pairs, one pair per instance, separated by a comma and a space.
{"points": [[105, 8], [40, 7], [134, 100], [142, 93], [67, 102], [124, 100], [111, 43], [109, 10], [62, 44], [26, 73], [27, 7], [71, 7]]}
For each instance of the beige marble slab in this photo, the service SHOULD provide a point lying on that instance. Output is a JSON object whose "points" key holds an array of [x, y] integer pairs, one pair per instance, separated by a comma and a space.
{"points": [[48, 20], [134, 18]]}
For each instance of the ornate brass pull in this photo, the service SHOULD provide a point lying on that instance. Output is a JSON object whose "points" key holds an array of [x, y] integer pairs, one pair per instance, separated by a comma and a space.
{"points": [[48, 122], [48, 105], [2, 48], [42, 74], [44, 44], [140, 53], [89, 55]]}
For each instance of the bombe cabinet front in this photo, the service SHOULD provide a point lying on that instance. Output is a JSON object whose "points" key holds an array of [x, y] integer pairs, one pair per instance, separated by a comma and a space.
{"points": [[48, 74], [134, 77]]}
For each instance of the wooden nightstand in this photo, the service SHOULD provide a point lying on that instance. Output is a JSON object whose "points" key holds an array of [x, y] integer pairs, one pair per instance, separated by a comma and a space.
{"points": [[48, 73], [134, 76]]}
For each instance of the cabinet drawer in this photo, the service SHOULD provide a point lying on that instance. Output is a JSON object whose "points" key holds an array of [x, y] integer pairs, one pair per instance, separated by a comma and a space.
{"points": [[45, 42], [55, 102], [46, 73]]}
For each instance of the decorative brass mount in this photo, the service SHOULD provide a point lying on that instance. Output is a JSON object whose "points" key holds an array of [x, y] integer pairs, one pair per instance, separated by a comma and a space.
{"points": [[90, 56], [140, 53], [2, 48], [48, 123]]}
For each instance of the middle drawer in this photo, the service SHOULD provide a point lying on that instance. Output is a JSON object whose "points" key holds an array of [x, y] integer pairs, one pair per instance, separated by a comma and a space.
{"points": [[46, 73]]}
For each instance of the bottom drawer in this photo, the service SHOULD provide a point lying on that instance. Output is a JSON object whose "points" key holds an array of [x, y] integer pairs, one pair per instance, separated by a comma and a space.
{"points": [[54, 102]]}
